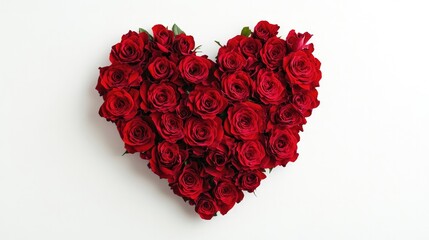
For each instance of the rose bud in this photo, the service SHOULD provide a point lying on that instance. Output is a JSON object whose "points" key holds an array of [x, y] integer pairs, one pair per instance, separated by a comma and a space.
{"points": [[162, 37], [265, 30], [297, 41], [182, 110], [184, 44]]}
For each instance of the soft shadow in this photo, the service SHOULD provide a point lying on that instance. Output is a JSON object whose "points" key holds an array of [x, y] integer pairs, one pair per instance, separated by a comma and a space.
{"points": [[139, 166], [107, 134], [106, 131]]}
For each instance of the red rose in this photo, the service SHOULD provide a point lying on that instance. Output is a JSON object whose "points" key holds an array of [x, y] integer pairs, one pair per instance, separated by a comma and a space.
{"points": [[273, 52], [137, 135], [161, 97], [117, 75], [120, 104], [206, 206], [169, 126], [203, 133], [245, 121], [162, 68], [167, 159], [282, 146], [206, 102], [305, 101], [130, 49], [264, 30], [195, 69], [182, 110], [249, 180], [302, 69], [227, 194], [250, 154], [287, 115], [184, 44], [189, 183], [269, 88], [250, 47], [217, 160], [235, 42], [230, 60], [146, 155], [237, 86], [297, 41], [162, 37], [211, 129]]}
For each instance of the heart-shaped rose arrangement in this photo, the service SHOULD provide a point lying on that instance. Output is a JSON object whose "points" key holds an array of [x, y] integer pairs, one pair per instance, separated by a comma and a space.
{"points": [[211, 129]]}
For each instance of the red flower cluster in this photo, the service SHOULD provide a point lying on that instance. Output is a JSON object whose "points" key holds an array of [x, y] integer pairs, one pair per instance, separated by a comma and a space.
{"points": [[211, 128]]}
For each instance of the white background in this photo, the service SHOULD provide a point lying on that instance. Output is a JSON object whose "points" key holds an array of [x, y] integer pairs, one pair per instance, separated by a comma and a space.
{"points": [[363, 166]]}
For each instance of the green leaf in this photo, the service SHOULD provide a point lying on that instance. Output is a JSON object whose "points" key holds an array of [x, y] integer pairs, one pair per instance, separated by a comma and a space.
{"points": [[218, 43], [141, 30], [177, 30], [270, 170], [246, 32], [198, 47], [126, 152], [223, 115]]}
